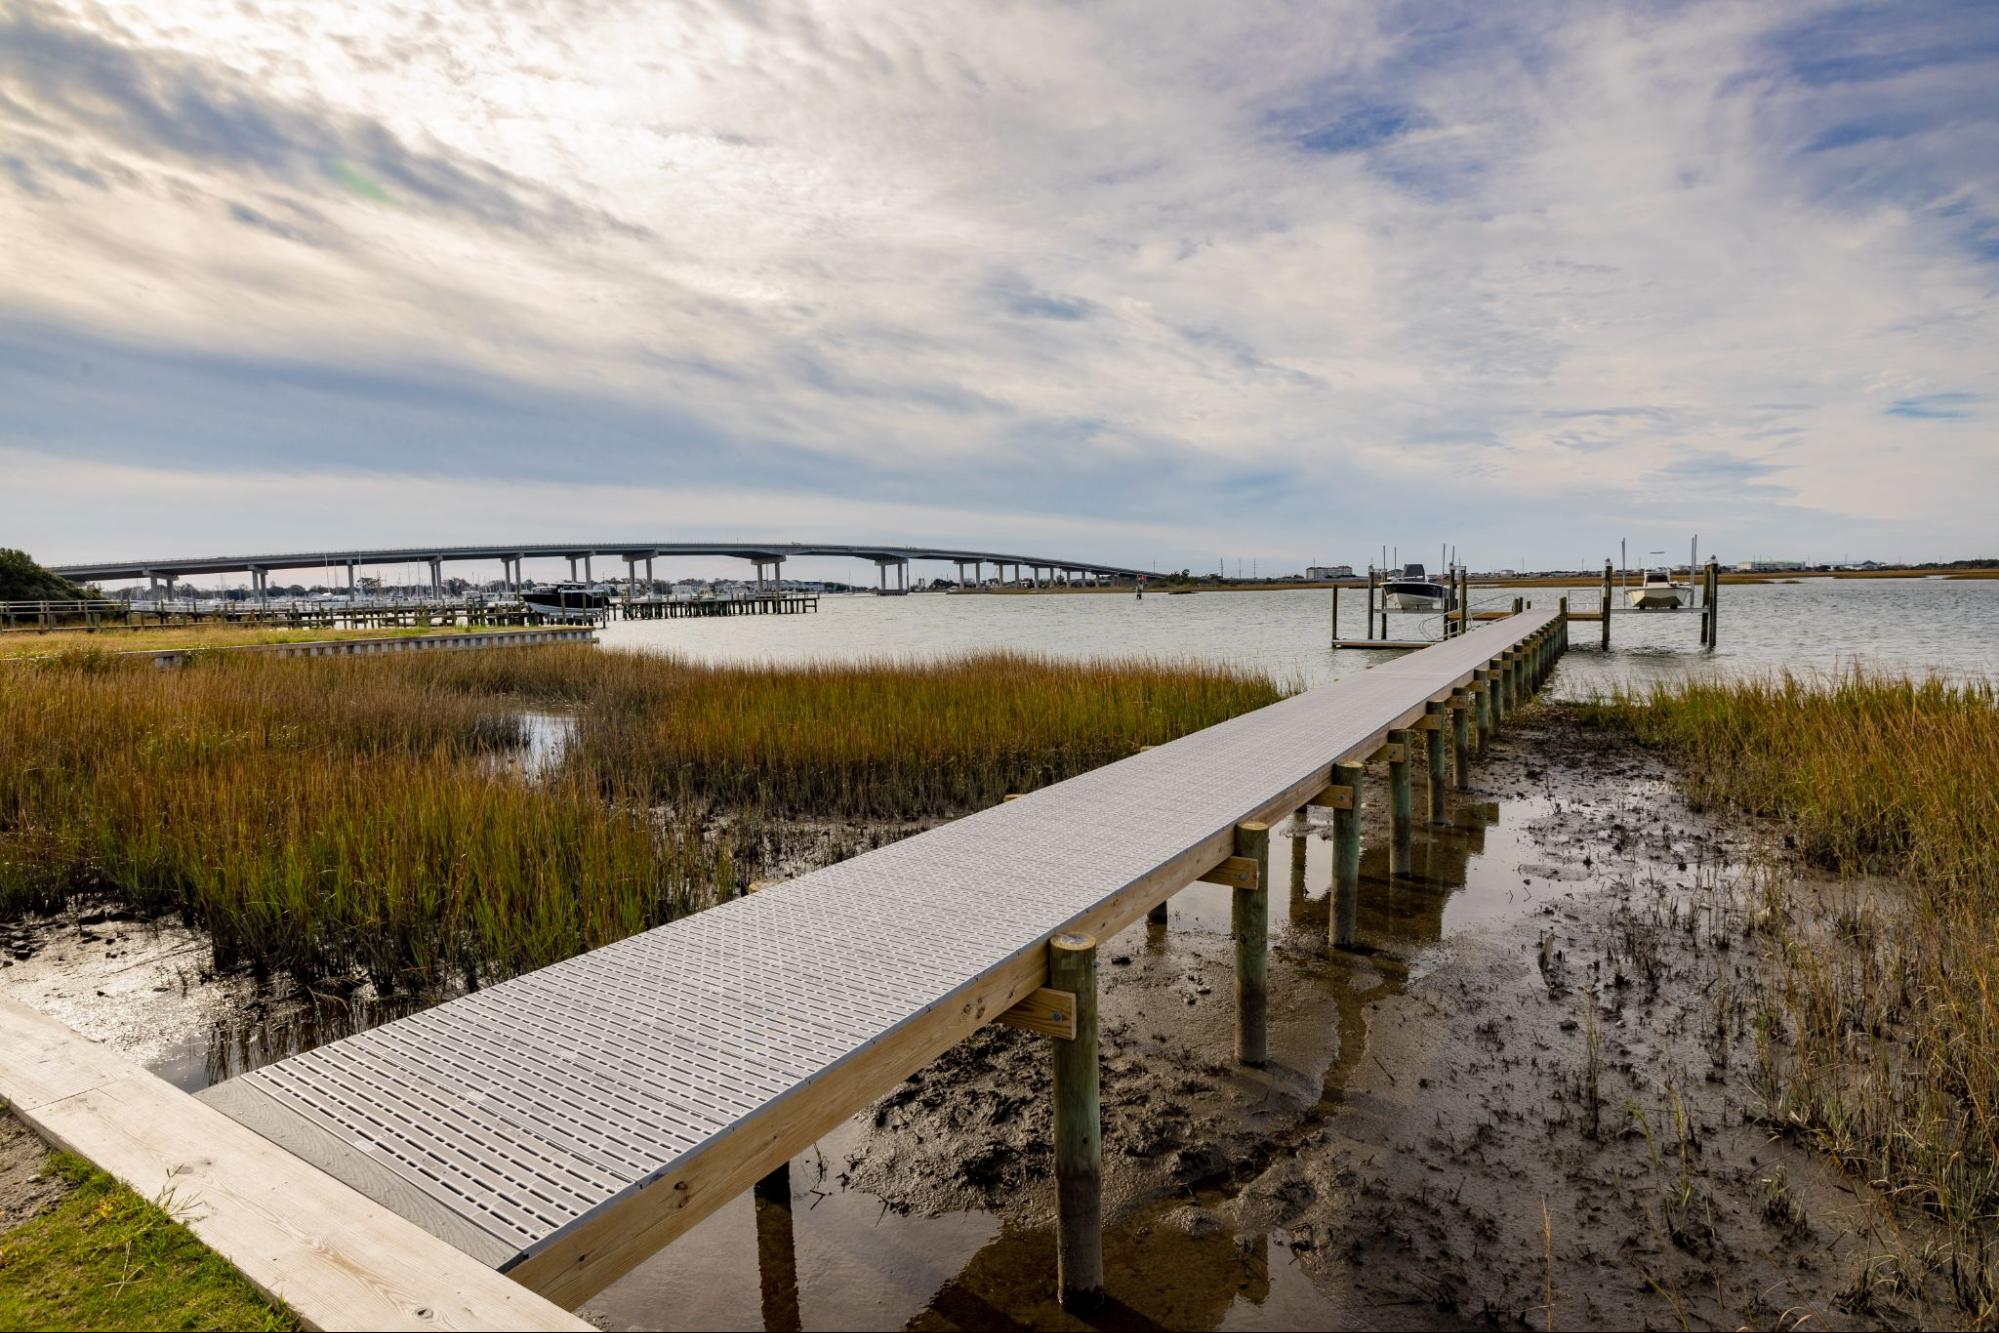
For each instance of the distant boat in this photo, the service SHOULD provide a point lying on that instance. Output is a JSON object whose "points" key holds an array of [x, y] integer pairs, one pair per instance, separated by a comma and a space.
{"points": [[1415, 590], [568, 601], [1657, 592]]}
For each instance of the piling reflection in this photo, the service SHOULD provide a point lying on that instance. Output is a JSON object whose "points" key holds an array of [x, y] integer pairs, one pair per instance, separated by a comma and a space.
{"points": [[777, 1253], [1170, 1268]]}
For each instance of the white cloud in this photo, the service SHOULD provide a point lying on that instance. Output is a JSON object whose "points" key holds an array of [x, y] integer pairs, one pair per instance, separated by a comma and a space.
{"points": [[1574, 263]]}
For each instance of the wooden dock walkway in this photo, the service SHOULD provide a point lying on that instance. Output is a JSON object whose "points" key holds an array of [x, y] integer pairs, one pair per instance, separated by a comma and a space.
{"points": [[566, 1124]]}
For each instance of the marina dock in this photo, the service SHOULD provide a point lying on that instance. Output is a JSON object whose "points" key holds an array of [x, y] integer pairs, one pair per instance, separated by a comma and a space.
{"points": [[563, 1126]]}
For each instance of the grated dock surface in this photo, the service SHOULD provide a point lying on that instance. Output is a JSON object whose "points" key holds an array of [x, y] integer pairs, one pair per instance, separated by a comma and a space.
{"points": [[522, 1107]]}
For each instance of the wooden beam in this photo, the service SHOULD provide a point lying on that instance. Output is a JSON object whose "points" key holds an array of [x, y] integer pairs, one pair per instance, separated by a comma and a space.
{"points": [[336, 1257], [1238, 872], [1050, 1012], [1334, 797]]}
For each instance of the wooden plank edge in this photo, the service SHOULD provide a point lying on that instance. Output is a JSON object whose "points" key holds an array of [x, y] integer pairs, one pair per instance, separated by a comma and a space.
{"points": [[338, 1259]]}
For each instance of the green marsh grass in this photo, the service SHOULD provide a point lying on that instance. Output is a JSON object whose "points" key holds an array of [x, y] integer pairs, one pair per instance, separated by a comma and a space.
{"points": [[1891, 977], [325, 816]]}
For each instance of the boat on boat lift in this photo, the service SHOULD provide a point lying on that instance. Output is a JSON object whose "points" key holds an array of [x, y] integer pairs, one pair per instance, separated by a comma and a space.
{"points": [[1657, 591], [1415, 590]]}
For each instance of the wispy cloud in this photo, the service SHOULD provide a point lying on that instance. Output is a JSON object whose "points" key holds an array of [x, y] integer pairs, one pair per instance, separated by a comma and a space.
{"points": [[1935, 407], [1257, 273]]}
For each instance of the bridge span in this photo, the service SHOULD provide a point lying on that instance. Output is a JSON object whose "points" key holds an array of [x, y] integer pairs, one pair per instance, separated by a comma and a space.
{"points": [[767, 557]]}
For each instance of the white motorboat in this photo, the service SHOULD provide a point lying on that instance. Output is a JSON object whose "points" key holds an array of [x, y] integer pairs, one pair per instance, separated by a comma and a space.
{"points": [[1657, 592], [1415, 590]]}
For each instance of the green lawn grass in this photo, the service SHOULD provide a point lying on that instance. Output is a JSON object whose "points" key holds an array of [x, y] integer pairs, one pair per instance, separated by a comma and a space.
{"points": [[104, 1258]]}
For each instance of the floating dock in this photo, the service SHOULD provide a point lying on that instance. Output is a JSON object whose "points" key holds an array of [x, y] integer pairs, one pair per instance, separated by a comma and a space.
{"points": [[563, 1126]]}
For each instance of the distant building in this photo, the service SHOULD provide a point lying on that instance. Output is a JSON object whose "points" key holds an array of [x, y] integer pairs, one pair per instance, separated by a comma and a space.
{"points": [[1318, 572]]}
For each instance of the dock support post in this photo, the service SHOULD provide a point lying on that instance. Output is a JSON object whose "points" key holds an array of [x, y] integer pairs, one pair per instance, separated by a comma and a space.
{"points": [[1372, 580], [1301, 831], [1436, 719], [1606, 606], [1713, 603], [1336, 612], [1249, 922], [1481, 702], [777, 1251], [1079, 1140], [1461, 740], [1344, 919], [1400, 814]]}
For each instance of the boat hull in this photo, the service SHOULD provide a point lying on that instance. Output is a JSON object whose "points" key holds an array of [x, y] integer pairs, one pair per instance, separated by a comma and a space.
{"points": [[1655, 599]]}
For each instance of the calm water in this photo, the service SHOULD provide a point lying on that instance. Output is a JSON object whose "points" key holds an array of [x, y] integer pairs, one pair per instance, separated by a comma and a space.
{"points": [[1813, 625]]}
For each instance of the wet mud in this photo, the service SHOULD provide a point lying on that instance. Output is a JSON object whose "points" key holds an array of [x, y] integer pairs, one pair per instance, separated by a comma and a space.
{"points": [[1533, 1096], [1534, 1093]]}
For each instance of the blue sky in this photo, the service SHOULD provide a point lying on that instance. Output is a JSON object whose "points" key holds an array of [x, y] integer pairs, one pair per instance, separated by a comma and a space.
{"points": [[1135, 282]]}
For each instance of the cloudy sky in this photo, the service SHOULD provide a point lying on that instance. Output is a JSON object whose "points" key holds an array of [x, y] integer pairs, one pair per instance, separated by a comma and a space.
{"points": [[1151, 283]]}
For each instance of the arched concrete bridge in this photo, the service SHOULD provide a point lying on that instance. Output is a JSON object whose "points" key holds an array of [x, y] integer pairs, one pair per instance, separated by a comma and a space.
{"points": [[768, 557]]}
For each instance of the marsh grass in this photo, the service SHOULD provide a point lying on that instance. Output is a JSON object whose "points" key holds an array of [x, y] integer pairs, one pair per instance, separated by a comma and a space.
{"points": [[1889, 976], [323, 816]]}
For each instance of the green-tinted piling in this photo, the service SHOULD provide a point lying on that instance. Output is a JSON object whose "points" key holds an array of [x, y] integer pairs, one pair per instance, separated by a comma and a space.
{"points": [[1249, 922], [1461, 740], [1079, 1140], [1435, 743], [1344, 918], [1400, 814]]}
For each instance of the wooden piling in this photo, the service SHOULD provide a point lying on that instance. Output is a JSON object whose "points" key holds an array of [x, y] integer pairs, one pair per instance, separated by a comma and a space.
{"points": [[1249, 922], [1373, 579], [1400, 814], [1079, 1145], [1344, 918], [1461, 740], [1436, 719], [1606, 606], [1481, 700], [1301, 833], [777, 1254], [1713, 603]]}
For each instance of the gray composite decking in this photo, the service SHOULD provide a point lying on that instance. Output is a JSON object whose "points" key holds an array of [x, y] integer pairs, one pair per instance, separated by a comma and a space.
{"points": [[505, 1118]]}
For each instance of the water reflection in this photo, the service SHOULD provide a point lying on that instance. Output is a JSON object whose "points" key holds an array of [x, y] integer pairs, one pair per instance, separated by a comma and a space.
{"points": [[837, 1256]]}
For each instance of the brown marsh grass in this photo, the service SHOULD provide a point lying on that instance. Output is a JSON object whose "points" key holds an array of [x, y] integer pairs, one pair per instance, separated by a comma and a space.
{"points": [[319, 816], [1891, 996]]}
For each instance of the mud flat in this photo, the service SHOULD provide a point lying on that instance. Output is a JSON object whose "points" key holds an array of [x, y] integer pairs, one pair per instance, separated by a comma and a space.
{"points": [[1538, 1089], [1539, 1082]]}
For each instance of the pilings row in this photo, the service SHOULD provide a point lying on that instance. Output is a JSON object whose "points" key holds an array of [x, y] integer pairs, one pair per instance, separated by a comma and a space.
{"points": [[1454, 729]]}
